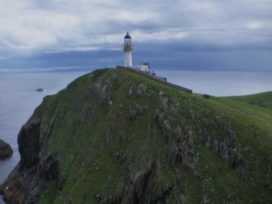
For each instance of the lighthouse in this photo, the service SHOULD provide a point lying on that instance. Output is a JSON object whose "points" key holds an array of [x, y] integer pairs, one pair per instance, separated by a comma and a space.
{"points": [[127, 48]]}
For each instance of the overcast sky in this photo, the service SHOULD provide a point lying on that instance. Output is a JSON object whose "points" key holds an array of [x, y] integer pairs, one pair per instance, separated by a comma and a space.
{"points": [[174, 34]]}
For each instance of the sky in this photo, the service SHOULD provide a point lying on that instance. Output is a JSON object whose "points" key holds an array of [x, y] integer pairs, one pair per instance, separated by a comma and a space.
{"points": [[171, 35]]}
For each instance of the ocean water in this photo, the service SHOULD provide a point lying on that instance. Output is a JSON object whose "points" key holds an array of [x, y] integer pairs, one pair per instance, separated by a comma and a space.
{"points": [[18, 99], [18, 95], [219, 83]]}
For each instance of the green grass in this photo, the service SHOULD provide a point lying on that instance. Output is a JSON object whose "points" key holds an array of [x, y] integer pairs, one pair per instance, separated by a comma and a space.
{"points": [[92, 130], [50, 193], [263, 100]]}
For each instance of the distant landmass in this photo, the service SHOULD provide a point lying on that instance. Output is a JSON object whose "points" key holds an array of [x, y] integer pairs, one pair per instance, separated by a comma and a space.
{"points": [[116, 136]]}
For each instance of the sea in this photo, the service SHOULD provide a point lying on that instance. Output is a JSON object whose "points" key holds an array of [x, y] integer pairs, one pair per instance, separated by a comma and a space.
{"points": [[19, 98], [19, 95]]}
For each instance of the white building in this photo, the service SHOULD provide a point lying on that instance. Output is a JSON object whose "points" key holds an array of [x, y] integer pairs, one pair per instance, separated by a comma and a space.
{"points": [[127, 48], [144, 67]]}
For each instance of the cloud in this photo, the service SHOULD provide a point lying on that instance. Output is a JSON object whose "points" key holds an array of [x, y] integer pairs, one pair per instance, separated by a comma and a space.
{"points": [[38, 26]]}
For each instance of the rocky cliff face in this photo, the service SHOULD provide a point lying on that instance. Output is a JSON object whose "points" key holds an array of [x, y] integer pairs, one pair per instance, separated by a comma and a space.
{"points": [[35, 168], [117, 137]]}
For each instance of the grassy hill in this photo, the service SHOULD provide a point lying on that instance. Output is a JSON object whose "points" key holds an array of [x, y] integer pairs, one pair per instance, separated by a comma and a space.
{"points": [[114, 136], [262, 100]]}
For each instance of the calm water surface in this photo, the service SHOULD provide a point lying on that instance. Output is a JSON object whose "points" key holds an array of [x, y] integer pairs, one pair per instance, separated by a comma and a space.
{"points": [[222, 83], [18, 99]]}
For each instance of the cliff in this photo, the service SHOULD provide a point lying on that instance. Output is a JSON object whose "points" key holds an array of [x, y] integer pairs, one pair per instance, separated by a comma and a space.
{"points": [[114, 136]]}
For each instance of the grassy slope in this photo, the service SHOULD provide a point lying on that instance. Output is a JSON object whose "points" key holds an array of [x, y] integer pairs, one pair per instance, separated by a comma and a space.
{"points": [[262, 100], [253, 126], [89, 134]]}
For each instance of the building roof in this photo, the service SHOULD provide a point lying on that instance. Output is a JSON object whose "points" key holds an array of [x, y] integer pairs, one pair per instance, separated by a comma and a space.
{"points": [[127, 36], [146, 63]]}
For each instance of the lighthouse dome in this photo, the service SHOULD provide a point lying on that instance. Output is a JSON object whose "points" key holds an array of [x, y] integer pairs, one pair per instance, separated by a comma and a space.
{"points": [[127, 36]]}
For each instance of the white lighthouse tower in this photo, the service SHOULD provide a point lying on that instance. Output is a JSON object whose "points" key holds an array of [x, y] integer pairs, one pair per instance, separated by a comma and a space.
{"points": [[127, 48]]}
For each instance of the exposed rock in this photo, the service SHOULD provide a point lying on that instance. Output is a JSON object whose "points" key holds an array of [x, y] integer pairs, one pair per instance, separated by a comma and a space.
{"points": [[12, 192], [27, 180], [225, 148], [180, 141], [131, 90], [29, 145], [5, 150], [97, 145], [141, 90], [164, 124], [163, 100], [135, 191], [136, 110], [39, 89]]}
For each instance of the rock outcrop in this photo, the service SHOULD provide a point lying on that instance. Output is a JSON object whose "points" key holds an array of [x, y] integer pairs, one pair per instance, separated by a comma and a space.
{"points": [[34, 169], [5, 150]]}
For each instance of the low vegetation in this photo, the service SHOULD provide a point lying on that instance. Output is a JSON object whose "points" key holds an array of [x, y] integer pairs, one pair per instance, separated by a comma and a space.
{"points": [[114, 136]]}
